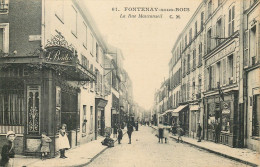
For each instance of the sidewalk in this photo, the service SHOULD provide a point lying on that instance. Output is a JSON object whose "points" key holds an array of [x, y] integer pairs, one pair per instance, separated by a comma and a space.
{"points": [[81, 155], [242, 155]]}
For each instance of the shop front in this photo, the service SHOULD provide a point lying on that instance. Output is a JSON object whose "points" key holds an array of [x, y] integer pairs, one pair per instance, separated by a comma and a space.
{"points": [[222, 119], [40, 92], [194, 119], [180, 116], [100, 105]]}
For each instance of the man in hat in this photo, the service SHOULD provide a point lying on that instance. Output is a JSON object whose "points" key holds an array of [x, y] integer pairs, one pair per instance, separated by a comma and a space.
{"points": [[8, 150], [199, 132]]}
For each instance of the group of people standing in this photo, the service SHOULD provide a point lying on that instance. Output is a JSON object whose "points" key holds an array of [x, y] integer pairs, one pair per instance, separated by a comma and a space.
{"points": [[117, 131], [8, 151]]}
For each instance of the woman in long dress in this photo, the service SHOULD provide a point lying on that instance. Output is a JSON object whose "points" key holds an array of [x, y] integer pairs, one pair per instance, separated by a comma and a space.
{"points": [[63, 142]]}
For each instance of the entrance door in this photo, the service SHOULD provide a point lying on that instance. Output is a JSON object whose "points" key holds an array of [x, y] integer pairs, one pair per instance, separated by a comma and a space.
{"points": [[69, 114]]}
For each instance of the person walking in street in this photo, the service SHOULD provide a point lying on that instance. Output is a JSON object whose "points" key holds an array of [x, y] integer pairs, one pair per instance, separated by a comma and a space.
{"points": [[115, 131], [180, 133], [199, 132], [129, 131], [8, 151], [160, 134], [174, 129], [120, 135], [136, 126], [45, 145], [63, 142]]}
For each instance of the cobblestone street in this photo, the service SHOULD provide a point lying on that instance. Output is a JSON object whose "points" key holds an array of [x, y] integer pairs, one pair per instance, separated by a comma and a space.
{"points": [[146, 151]]}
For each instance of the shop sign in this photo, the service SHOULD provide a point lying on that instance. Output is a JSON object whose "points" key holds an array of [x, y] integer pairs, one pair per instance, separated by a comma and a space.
{"points": [[59, 55], [225, 111], [231, 48]]}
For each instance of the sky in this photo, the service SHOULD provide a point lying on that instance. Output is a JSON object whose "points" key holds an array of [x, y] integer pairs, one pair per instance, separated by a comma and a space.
{"points": [[146, 43]]}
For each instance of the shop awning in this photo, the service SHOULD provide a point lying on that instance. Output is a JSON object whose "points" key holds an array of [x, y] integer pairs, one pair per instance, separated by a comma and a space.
{"points": [[166, 112], [177, 110], [194, 107]]}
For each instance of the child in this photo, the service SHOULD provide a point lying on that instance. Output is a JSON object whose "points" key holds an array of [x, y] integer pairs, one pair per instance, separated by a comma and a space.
{"points": [[45, 145], [180, 133], [120, 135], [160, 134], [166, 134], [115, 131], [8, 150], [63, 141]]}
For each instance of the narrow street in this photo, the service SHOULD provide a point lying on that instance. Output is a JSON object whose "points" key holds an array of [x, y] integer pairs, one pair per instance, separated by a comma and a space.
{"points": [[146, 151]]}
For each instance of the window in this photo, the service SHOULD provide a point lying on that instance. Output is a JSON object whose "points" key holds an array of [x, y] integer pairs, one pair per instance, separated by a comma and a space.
{"points": [[74, 21], [4, 37], [219, 2], [256, 116], [219, 29], [200, 54], [92, 45], [185, 40], [4, 6], [199, 86], [253, 46], [91, 118], [210, 78], [201, 20], [231, 20], [209, 41], [218, 73], [188, 64], [12, 103], [84, 129], [59, 10], [209, 8], [97, 52], [194, 59], [195, 29], [224, 71], [91, 69], [193, 89], [230, 69], [84, 61], [190, 33], [85, 36]]}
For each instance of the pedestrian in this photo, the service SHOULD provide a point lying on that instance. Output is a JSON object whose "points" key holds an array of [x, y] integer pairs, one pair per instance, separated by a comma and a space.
{"points": [[8, 150], [160, 134], [120, 135], [63, 142], [199, 132], [45, 145], [129, 131], [174, 129], [217, 131], [136, 126], [180, 133], [115, 131], [166, 134]]}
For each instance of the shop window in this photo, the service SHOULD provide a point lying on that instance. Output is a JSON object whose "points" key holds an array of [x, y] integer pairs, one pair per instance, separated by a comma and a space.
{"points": [[231, 20], [11, 104], [4, 6], [4, 37], [225, 126], [256, 116]]}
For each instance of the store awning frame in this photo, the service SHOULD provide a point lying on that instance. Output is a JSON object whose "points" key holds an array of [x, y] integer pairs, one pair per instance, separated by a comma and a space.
{"points": [[176, 111]]}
